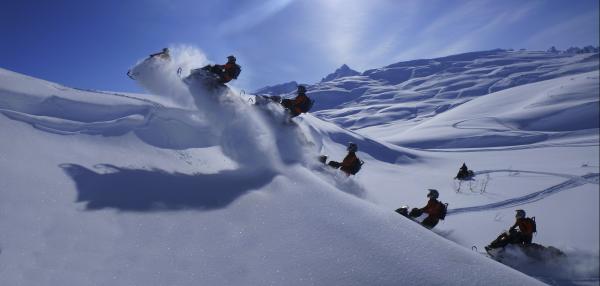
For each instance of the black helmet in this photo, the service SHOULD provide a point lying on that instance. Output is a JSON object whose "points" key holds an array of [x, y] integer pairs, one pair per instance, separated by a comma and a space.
{"points": [[520, 214], [301, 89], [165, 50], [231, 58], [433, 193], [352, 147]]}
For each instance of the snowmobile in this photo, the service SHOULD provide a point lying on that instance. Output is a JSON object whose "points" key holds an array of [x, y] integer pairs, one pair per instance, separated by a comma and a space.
{"points": [[403, 210], [265, 99], [336, 165], [466, 176], [262, 102], [286, 103], [475, 184], [507, 246], [162, 55], [419, 216], [208, 76], [415, 214]]}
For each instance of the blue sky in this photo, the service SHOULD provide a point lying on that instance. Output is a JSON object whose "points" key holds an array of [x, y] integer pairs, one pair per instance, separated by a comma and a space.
{"points": [[91, 44]]}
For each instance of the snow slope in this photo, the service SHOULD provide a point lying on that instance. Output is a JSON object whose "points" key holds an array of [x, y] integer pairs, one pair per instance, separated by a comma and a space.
{"points": [[538, 112], [385, 101], [118, 189], [526, 122]]}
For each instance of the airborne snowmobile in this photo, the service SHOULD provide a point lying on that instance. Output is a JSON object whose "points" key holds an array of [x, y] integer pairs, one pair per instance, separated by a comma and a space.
{"points": [[294, 107], [164, 55], [265, 99], [507, 246], [205, 75], [214, 76]]}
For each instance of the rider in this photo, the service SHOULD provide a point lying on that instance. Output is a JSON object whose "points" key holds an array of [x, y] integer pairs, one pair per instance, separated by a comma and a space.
{"points": [[348, 165], [463, 172], [298, 104], [433, 209], [526, 227], [228, 71], [164, 54], [522, 237]]}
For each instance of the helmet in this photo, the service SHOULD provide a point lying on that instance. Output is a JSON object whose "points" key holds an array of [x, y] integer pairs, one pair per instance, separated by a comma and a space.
{"points": [[301, 89], [520, 214], [165, 50], [433, 193], [231, 58], [352, 147]]}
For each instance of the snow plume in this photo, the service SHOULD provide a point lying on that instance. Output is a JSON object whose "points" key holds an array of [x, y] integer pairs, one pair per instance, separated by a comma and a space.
{"points": [[250, 136], [253, 136], [160, 76], [575, 267]]}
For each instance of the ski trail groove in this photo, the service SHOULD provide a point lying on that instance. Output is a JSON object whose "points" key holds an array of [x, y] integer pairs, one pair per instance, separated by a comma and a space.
{"points": [[572, 182]]}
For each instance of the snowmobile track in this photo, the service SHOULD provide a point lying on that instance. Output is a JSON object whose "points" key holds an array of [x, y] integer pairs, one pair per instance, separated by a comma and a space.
{"points": [[572, 182]]}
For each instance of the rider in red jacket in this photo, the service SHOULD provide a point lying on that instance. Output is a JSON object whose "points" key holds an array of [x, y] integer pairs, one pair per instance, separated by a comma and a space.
{"points": [[433, 209]]}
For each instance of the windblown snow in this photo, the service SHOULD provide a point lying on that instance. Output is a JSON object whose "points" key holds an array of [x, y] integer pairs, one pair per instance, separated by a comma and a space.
{"points": [[194, 186]]}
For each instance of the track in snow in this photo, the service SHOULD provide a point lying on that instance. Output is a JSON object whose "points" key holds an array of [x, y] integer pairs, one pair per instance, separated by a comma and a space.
{"points": [[571, 182]]}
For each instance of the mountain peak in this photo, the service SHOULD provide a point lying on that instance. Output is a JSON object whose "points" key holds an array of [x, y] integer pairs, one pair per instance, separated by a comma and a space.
{"points": [[342, 71], [278, 88]]}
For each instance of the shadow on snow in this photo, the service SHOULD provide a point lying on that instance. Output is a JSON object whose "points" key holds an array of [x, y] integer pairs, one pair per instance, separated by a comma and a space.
{"points": [[156, 190]]}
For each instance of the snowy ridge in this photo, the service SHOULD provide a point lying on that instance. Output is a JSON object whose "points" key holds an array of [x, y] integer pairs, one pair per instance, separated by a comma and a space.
{"points": [[401, 95], [342, 71], [241, 209], [278, 89], [550, 110]]}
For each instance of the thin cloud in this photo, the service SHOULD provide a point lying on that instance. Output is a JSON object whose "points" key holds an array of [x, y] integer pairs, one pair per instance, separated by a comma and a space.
{"points": [[470, 40], [344, 24], [559, 31], [254, 16], [360, 32], [455, 17], [436, 42]]}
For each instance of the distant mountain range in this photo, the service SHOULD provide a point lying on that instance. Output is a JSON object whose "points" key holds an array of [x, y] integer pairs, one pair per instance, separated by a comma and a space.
{"points": [[406, 93]]}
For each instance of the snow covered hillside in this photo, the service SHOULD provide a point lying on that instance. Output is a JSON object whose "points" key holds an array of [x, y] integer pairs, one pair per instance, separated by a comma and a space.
{"points": [[124, 189], [565, 107], [527, 122], [393, 98], [539, 153], [195, 186]]}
